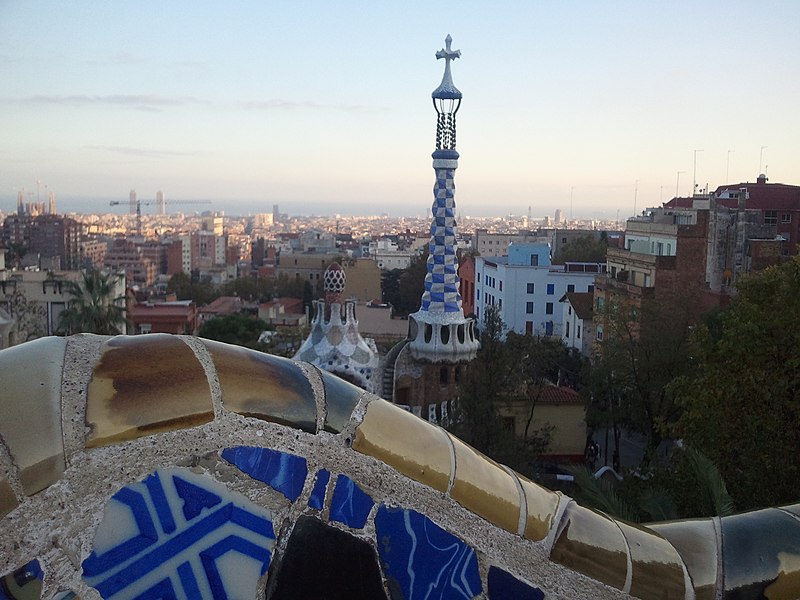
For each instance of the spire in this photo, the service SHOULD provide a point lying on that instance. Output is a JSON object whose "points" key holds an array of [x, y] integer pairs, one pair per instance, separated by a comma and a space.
{"points": [[439, 331]]}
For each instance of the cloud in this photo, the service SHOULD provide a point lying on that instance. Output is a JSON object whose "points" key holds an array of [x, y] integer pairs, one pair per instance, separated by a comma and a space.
{"points": [[279, 104], [142, 152], [137, 101]]}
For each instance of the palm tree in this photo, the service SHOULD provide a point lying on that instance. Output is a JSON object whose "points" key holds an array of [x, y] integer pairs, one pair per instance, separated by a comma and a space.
{"points": [[91, 307]]}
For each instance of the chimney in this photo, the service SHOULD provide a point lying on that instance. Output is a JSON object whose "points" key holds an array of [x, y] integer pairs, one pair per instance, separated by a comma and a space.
{"points": [[762, 178]]}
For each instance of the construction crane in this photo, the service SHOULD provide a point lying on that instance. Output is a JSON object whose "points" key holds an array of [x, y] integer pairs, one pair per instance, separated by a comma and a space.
{"points": [[147, 202]]}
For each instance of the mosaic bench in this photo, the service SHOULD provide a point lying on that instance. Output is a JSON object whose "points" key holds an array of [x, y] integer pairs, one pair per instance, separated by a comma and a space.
{"points": [[161, 467]]}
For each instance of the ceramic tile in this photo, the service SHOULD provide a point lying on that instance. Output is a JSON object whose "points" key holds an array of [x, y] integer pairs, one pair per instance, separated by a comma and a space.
{"points": [[504, 586], [317, 498], [66, 596], [414, 447], [542, 506], [179, 534], [321, 561], [280, 470], [696, 542], [592, 544], [761, 554], [485, 488], [792, 508], [341, 398], [8, 500], [23, 584], [422, 560], [350, 504], [657, 566], [145, 384], [263, 386], [33, 403]]}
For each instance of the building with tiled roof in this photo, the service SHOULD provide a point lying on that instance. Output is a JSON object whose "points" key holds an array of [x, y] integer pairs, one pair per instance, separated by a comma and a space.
{"points": [[577, 328]]}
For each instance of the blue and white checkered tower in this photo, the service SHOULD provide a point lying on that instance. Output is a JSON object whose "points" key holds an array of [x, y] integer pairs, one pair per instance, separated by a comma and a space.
{"points": [[439, 332]]}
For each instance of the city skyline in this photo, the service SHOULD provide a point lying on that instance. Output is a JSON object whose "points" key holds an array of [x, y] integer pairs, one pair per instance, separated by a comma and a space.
{"points": [[325, 109]]}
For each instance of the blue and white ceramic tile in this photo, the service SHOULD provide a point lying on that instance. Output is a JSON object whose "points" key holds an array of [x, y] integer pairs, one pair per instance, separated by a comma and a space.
{"points": [[178, 534], [23, 583], [504, 586], [281, 471], [422, 560], [317, 499], [66, 596], [350, 504]]}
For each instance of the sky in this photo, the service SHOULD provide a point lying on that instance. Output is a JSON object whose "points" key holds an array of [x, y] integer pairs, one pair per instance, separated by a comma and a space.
{"points": [[322, 107]]}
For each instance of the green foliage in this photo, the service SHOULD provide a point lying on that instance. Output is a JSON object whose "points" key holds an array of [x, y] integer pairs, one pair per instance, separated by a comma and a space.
{"points": [[250, 289], [584, 249], [403, 288], [689, 485], [201, 292], [742, 402], [92, 307], [644, 348], [509, 370], [601, 494], [239, 329]]}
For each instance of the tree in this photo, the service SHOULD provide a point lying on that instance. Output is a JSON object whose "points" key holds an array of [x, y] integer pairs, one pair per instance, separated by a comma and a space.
{"points": [[92, 307], [584, 249], [412, 284], [239, 329], [645, 347], [742, 401], [185, 288], [499, 375]]}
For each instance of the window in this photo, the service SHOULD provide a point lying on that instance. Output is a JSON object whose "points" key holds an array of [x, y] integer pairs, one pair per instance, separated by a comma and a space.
{"points": [[444, 375], [529, 308], [534, 260], [563, 240], [548, 308], [786, 217], [530, 288], [551, 289], [501, 286], [590, 289], [478, 295], [500, 303], [571, 287], [569, 310], [578, 332], [529, 327], [548, 328], [479, 277], [599, 333], [601, 302], [770, 217], [566, 331]]}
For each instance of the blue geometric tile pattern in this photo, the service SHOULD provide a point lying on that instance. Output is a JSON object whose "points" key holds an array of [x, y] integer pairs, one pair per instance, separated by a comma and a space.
{"points": [[317, 498], [441, 293], [423, 561], [281, 471], [178, 534], [504, 586], [350, 504]]}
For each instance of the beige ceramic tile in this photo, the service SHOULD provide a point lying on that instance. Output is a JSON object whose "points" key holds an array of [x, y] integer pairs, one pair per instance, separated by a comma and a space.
{"points": [[657, 566], [485, 488], [30, 380], [592, 544], [263, 386], [412, 446], [696, 542], [144, 385], [8, 501], [542, 506]]}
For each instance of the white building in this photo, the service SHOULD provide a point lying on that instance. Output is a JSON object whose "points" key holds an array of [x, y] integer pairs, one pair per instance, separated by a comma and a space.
{"points": [[388, 255], [577, 329], [526, 288]]}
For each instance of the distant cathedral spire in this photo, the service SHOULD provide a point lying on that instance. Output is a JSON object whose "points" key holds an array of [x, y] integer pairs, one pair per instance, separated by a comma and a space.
{"points": [[439, 331]]}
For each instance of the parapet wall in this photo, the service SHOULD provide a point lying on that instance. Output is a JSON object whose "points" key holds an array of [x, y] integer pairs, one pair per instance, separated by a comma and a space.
{"points": [[173, 467]]}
